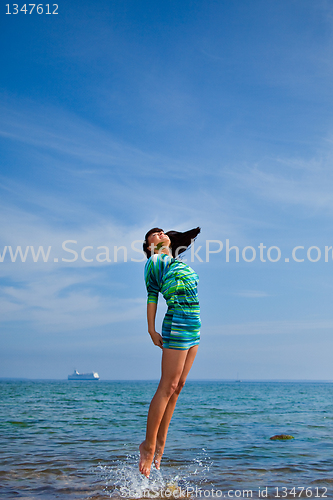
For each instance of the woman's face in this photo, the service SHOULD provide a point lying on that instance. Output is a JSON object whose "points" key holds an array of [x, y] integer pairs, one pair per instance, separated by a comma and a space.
{"points": [[158, 239]]}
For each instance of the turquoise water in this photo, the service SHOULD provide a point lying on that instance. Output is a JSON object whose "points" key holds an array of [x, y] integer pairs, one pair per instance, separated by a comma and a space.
{"points": [[79, 440]]}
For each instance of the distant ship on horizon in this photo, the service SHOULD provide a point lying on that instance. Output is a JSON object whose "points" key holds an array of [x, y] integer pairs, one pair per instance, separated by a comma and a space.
{"points": [[83, 376]]}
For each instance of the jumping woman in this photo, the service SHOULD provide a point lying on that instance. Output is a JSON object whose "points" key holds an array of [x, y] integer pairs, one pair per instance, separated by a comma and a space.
{"points": [[180, 331]]}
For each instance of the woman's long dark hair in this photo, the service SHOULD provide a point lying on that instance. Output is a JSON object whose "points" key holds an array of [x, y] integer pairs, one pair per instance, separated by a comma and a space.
{"points": [[179, 241]]}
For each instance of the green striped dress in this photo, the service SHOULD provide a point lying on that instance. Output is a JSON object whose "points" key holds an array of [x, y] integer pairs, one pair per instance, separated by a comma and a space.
{"points": [[178, 284]]}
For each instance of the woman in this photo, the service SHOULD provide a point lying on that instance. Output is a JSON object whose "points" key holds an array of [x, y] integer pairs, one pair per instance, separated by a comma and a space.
{"points": [[180, 331]]}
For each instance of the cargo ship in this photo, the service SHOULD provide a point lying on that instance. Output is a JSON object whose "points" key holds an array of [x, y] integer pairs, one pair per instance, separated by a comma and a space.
{"points": [[83, 376]]}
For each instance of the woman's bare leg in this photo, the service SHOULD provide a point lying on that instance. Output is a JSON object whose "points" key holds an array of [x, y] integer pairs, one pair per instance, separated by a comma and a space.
{"points": [[173, 362], [164, 425]]}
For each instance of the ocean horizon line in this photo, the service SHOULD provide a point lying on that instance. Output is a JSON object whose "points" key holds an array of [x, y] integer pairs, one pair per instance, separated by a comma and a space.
{"points": [[233, 380]]}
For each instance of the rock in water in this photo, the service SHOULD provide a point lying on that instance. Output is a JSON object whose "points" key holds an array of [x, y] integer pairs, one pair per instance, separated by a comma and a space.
{"points": [[281, 437]]}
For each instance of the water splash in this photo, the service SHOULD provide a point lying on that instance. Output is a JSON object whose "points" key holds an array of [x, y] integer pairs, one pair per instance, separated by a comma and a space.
{"points": [[123, 479]]}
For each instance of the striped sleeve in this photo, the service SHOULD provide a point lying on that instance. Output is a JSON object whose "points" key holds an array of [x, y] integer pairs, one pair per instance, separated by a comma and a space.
{"points": [[154, 271]]}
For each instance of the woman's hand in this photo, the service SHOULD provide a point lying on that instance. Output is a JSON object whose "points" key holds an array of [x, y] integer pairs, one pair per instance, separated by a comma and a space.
{"points": [[156, 338], [151, 313]]}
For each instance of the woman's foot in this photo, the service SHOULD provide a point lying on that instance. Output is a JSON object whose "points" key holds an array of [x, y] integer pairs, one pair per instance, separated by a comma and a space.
{"points": [[146, 458], [159, 450]]}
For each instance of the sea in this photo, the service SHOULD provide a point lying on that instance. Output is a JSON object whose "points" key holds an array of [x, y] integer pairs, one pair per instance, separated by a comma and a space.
{"points": [[79, 440]]}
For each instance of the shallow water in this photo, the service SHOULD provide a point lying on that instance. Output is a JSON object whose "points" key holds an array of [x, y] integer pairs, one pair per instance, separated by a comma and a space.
{"points": [[79, 440]]}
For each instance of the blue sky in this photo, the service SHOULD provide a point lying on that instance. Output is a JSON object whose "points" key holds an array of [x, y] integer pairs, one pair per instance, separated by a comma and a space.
{"points": [[120, 116]]}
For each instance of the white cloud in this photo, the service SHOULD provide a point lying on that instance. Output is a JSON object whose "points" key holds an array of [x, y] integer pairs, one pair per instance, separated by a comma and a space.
{"points": [[307, 184], [69, 138], [49, 307]]}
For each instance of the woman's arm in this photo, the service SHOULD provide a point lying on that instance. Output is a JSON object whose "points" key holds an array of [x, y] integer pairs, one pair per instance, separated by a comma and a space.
{"points": [[151, 314]]}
